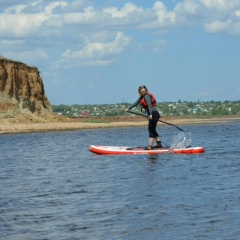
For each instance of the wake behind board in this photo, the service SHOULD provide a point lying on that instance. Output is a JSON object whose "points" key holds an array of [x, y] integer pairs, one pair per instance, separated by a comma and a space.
{"points": [[140, 150]]}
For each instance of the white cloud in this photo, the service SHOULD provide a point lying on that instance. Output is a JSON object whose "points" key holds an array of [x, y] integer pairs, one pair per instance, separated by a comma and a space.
{"points": [[54, 5], [98, 50], [15, 9], [127, 10], [86, 17], [218, 26], [188, 12], [28, 20], [221, 5], [157, 17], [107, 18], [32, 19], [97, 53], [214, 15], [19, 25], [188, 8], [84, 29], [164, 17]]}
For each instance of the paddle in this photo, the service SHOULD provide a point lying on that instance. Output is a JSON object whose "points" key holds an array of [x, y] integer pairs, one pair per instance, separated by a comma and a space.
{"points": [[158, 120]]}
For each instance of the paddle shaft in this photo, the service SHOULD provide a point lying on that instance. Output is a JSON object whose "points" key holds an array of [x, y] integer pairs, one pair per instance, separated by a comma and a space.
{"points": [[158, 120]]}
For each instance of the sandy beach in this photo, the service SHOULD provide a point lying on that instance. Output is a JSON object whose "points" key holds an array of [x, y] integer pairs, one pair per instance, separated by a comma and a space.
{"points": [[8, 126]]}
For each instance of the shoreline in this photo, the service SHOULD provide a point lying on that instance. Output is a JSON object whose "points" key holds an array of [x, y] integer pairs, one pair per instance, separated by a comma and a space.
{"points": [[11, 128]]}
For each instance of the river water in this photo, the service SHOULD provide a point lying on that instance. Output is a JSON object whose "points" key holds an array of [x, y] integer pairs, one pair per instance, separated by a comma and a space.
{"points": [[52, 187]]}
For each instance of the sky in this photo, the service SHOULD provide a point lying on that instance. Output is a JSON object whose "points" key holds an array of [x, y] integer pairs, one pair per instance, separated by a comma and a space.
{"points": [[101, 51]]}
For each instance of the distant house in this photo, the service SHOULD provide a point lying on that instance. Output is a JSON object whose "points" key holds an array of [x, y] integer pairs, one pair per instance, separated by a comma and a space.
{"points": [[84, 114], [75, 115], [195, 110]]}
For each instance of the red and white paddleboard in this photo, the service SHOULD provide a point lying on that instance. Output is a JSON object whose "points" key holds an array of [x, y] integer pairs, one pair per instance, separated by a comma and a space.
{"points": [[140, 150]]}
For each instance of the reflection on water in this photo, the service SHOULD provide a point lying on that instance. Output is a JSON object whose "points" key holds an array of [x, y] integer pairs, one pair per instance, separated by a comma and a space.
{"points": [[52, 187]]}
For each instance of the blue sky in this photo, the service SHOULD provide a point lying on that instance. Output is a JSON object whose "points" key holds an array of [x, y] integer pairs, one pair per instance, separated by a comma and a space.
{"points": [[99, 52]]}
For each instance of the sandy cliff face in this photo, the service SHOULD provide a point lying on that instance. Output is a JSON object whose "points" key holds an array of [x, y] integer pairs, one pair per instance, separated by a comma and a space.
{"points": [[21, 90]]}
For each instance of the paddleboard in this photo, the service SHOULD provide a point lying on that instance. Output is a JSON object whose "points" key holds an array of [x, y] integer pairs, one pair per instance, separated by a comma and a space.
{"points": [[140, 150]]}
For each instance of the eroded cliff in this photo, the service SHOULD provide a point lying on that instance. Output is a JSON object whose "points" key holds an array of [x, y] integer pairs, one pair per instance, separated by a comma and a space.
{"points": [[21, 90]]}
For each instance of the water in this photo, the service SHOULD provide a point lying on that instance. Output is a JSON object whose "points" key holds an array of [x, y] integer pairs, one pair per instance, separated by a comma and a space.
{"points": [[52, 187]]}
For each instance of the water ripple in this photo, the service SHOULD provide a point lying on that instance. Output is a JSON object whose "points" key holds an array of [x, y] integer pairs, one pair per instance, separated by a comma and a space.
{"points": [[52, 187]]}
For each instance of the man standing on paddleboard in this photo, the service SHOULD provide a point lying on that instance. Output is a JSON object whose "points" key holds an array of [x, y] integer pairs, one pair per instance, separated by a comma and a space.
{"points": [[149, 103]]}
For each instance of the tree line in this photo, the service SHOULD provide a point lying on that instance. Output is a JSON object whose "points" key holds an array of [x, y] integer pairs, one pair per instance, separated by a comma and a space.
{"points": [[211, 108]]}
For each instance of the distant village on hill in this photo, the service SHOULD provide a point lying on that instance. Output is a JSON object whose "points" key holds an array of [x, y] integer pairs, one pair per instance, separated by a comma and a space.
{"points": [[179, 108]]}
